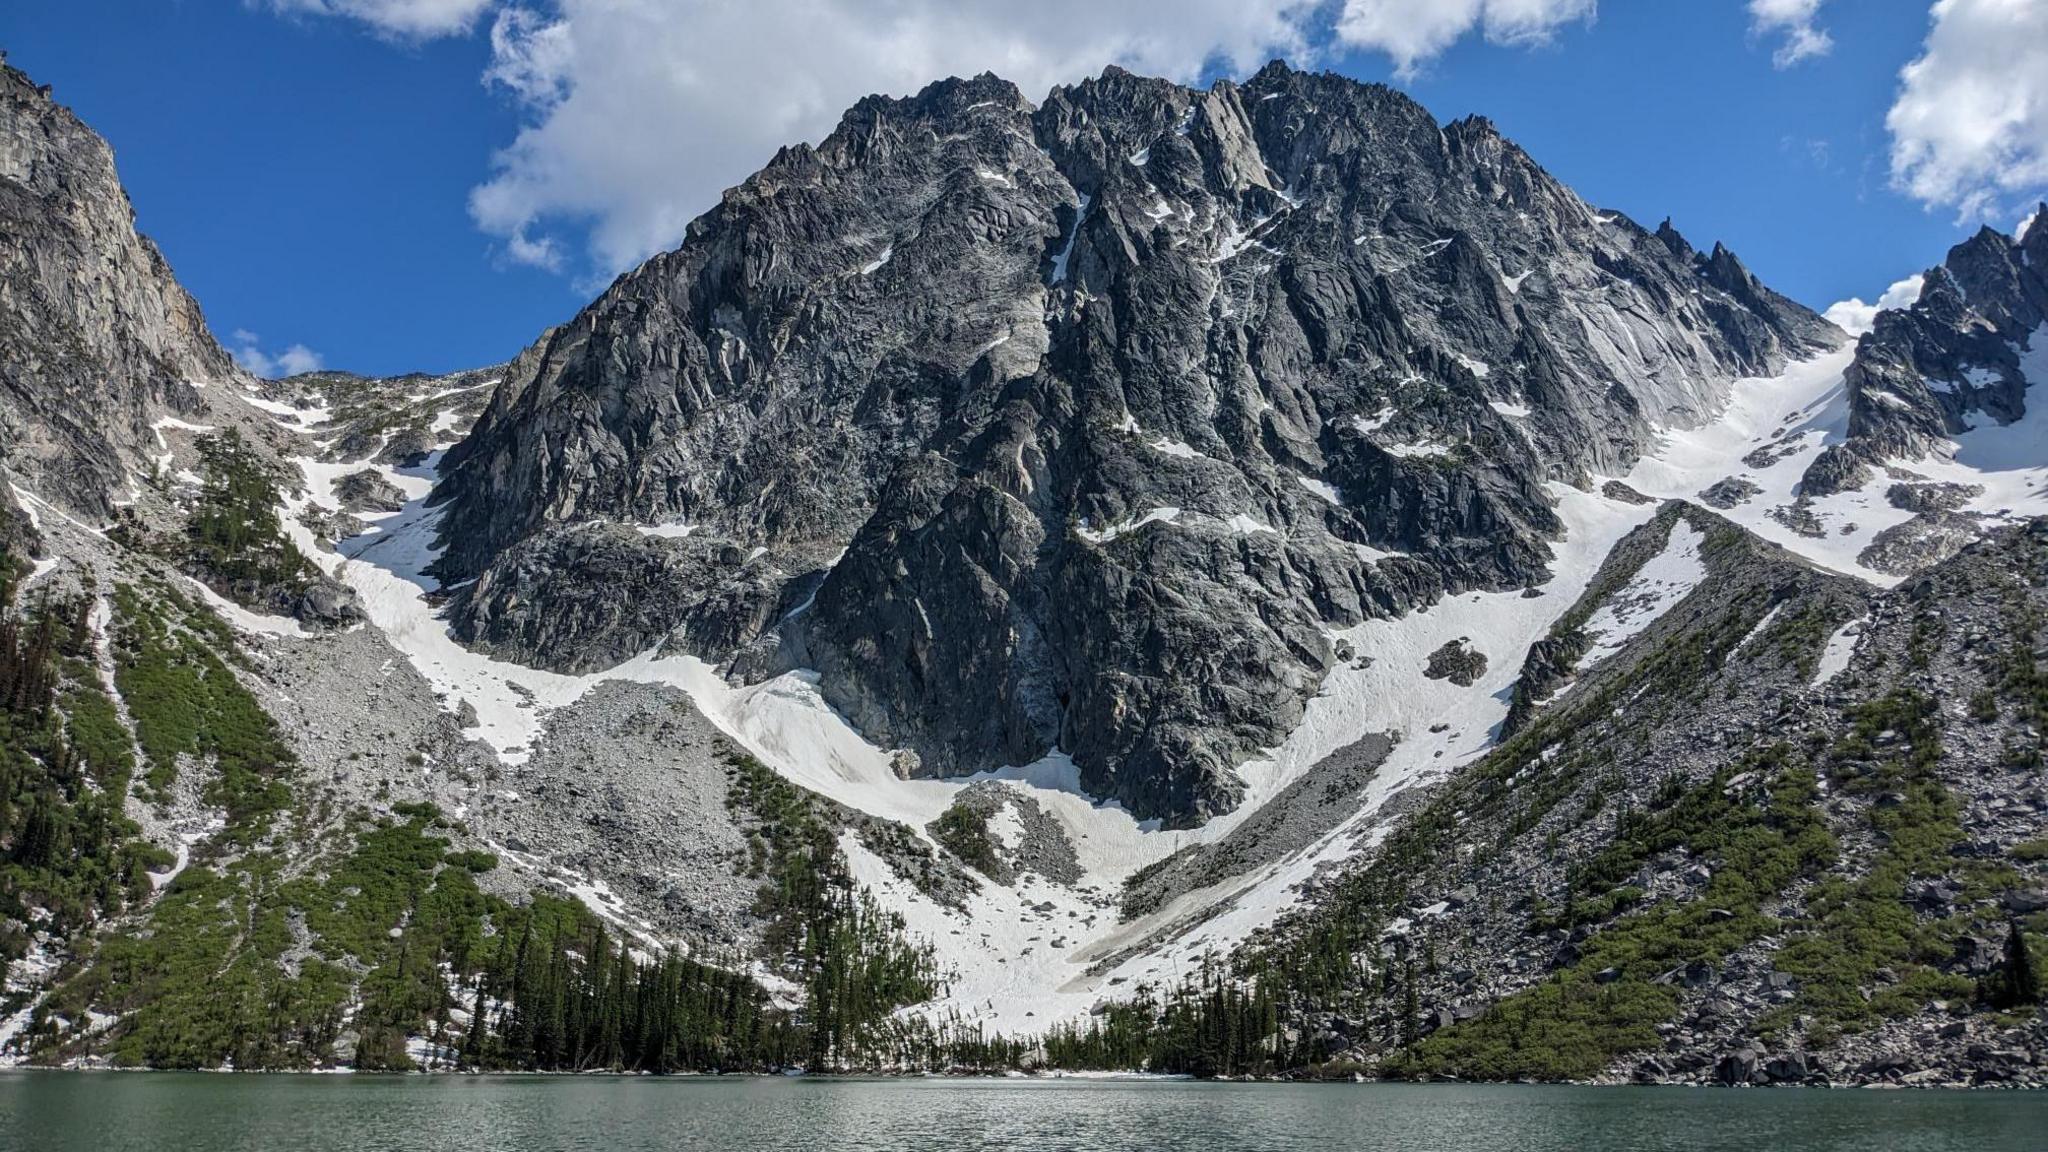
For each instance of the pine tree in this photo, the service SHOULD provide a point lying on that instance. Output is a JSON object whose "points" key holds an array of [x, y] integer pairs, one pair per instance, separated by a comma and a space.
{"points": [[2017, 984]]}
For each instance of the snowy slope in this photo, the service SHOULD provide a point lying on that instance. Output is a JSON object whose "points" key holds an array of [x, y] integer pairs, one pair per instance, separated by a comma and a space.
{"points": [[1773, 427], [1656, 588]]}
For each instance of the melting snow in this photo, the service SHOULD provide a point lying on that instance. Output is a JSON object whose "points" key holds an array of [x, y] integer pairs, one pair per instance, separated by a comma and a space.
{"points": [[1793, 416], [875, 265], [164, 422], [1105, 535], [1834, 659], [665, 531], [1418, 448], [1472, 364], [1656, 588], [1059, 262], [1373, 423], [1322, 488]]}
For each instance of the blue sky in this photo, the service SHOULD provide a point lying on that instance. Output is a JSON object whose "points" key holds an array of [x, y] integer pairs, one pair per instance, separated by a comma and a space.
{"points": [[311, 166]]}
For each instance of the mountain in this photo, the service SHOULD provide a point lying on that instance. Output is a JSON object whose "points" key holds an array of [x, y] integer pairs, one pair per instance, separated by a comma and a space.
{"points": [[1078, 427], [1231, 581], [101, 341]]}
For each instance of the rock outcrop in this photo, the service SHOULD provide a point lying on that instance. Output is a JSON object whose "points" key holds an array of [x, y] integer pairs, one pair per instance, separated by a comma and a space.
{"points": [[1951, 361], [97, 340]]}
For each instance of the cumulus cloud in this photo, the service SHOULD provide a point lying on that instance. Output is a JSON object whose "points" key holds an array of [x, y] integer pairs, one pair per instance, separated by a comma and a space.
{"points": [[1969, 127], [640, 113], [1794, 20], [248, 352], [1855, 317], [1413, 32], [399, 19]]}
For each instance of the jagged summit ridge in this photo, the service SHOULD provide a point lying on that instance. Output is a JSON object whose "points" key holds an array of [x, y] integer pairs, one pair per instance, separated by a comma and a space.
{"points": [[1078, 426]]}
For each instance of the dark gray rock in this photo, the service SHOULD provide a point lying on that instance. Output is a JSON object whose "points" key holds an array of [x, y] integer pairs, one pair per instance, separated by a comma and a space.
{"points": [[1729, 492], [1931, 497], [328, 603], [1458, 662], [368, 491], [1927, 539]]}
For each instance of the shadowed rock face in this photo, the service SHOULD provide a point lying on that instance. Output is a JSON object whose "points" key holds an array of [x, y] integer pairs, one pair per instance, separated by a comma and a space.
{"points": [[1079, 426], [1950, 361], [96, 337]]}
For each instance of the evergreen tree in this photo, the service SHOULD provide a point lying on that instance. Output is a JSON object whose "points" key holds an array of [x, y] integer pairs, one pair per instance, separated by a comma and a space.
{"points": [[2017, 983]]}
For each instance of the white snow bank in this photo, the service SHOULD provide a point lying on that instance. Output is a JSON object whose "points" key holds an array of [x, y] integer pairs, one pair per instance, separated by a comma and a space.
{"points": [[1788, 418], [1841, 648], [1104, 535], [1322, 488], [1656, 588]]}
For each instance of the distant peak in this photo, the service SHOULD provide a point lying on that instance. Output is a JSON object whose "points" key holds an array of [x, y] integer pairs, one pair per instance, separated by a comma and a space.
{"points": [[1275, 71]]}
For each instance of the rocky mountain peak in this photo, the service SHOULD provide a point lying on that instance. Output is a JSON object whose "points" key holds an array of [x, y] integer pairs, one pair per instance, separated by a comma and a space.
{"points": [[1948, 363], [1078, 427]]}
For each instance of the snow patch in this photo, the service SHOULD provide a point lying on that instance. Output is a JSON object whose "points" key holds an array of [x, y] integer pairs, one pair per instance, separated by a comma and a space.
{"points": [[1841, 648], [1656, 588], [1322, 488], [1059, 262], [1165, 515]]}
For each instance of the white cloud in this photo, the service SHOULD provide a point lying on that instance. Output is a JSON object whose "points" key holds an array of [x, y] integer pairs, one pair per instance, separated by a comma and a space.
{"points": [[248, 352], [2027, 221], [641, 113], [1970, 124], [1794, 19], [1855, 317], [401, 19], [1414, 31]]}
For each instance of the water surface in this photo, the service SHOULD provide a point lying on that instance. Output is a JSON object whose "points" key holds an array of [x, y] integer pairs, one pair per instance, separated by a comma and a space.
{"points": [[169, 1112]]}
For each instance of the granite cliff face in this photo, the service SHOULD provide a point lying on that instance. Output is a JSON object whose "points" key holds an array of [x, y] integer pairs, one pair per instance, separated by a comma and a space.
{"points": [[1077, 426], [99, 341]]}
